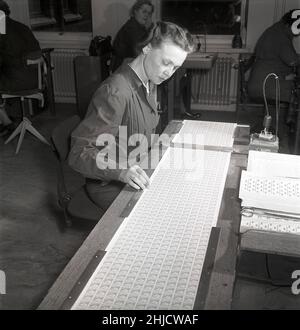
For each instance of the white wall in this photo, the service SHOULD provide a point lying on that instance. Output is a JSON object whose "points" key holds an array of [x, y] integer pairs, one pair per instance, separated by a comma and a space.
{"points": [[260, 16], [109, 15], [19, 10]]}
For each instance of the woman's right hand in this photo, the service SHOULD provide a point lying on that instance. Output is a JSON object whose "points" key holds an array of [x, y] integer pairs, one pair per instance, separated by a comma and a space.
{"points": [[135, 177]]}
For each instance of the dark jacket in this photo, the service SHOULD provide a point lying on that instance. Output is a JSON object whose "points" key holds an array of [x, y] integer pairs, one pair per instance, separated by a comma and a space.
{"points": [[121, 100], [16, 46], [275, 53], [127, 40]]}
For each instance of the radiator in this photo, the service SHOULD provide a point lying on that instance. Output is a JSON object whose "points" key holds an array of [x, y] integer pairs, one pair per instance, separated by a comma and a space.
{"points": [[216, 89], [63, 74]]}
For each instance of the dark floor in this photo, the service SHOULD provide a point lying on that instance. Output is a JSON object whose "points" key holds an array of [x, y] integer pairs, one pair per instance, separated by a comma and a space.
{"points": [[35, 247]]}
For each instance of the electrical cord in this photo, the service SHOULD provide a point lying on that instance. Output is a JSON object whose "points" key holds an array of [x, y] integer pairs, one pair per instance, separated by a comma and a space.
{"points": [[267, 120]]}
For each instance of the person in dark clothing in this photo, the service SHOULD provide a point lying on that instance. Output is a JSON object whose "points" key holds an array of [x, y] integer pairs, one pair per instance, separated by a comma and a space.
{"points": [[133, 32], [275, 53], [126, 101], [16, 46]]}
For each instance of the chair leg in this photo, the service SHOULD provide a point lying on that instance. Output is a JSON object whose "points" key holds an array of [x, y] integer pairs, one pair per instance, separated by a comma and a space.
{"points": [[21, 129], [30, 107], [22, 134], [63, 202], [14, 133], [22, 104], [34, 132], [68, 221]]}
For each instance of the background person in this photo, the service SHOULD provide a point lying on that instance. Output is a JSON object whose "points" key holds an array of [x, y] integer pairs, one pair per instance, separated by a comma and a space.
{"points": [[134, 31], [275, 53], [16, 46]]}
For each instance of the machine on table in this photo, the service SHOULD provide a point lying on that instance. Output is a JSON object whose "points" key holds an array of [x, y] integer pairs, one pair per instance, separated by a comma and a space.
{"points": [[270, 193]]}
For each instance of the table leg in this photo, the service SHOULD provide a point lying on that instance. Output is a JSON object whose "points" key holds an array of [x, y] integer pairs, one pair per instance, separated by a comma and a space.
{"points": [[50, 89], [297, 134], [189, 90]]}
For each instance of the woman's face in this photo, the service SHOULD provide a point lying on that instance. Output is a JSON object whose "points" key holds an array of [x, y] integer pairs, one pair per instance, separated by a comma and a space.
{"points": [[160, 63], [143, 14]]}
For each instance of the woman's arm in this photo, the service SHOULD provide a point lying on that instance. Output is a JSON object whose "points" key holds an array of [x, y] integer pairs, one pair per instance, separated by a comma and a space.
{"points": [[103, 119]]}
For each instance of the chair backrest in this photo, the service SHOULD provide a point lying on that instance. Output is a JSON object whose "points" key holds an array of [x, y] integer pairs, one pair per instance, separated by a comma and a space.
{"points": [[61, 136], [245, 66], [101, 46], [49, 87], [87, 70], [42, 70]]}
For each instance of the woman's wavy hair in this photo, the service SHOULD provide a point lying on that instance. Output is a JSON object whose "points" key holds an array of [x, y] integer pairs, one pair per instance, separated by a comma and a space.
{"points": [[167, 31], [138, 4]]}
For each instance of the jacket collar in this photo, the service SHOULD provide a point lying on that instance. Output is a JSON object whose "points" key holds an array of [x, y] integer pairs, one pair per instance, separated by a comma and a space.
{"points": [[138, 85], [137, 65]]}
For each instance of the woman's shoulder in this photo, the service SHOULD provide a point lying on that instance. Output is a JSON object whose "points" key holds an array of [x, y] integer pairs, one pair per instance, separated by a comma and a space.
{"points": [[120, 82], [126, 26], [17, 27], [124, 34], [131, 27]]}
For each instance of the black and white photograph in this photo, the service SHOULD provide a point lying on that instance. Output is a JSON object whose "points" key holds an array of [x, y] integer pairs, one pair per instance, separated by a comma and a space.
{"points": [[149, 158]]}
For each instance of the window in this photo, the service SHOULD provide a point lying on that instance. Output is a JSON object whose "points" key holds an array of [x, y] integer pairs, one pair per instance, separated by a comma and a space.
{"points": [[60, 15], [214, 17]]}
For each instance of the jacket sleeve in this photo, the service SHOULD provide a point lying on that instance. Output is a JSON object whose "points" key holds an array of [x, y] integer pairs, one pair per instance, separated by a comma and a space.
{"points": [[103, 118]]}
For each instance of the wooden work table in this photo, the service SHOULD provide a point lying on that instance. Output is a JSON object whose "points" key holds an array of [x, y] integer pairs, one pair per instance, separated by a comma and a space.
{"points": [[218, 274]]}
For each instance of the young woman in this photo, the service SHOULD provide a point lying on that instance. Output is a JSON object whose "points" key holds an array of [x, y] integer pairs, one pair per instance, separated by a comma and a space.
{"points": [[127, 99]]}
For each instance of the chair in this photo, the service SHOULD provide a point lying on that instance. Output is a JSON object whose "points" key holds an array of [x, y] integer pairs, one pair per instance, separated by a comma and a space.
{"points": [[37, 94], [296, 138], [245, 64], [296, 149], [88, 76], [75, 205], [50, 99]]}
